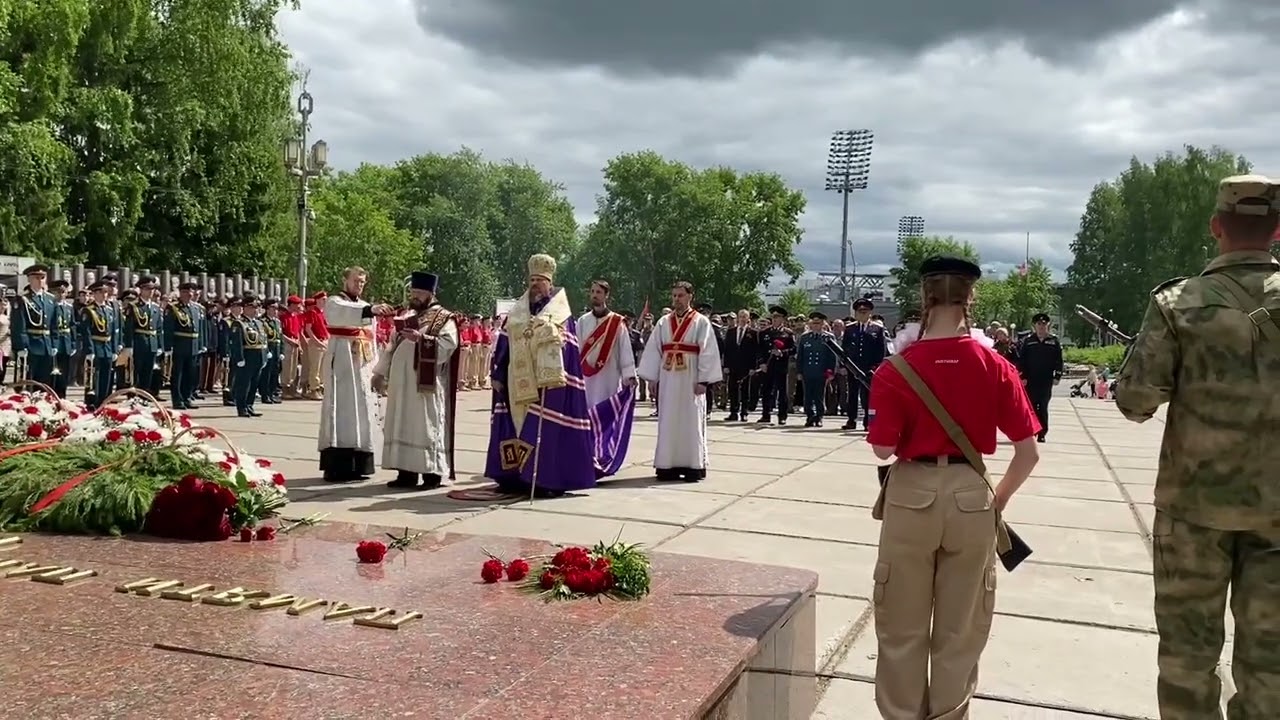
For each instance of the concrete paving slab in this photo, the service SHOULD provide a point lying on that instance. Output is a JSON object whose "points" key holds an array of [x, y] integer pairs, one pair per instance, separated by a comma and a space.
{"points": [[558, 528], [827, 482], [1084, 548], [838, 618], [1075, 667], [1083, 595], [651, 504], [1072, 513], [853, 699], [841, 523], [1064, 488]]}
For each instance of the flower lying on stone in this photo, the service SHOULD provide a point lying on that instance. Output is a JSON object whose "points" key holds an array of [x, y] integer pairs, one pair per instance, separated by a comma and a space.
{"points": [[370, 551], [517, 570], [491, 571], [617, 570]]}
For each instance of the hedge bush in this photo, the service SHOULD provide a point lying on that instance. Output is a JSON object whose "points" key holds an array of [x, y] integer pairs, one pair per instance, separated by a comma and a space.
{"points": [[1109, 356]]}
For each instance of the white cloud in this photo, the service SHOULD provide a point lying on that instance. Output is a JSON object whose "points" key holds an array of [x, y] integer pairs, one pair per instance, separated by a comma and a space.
{"points": [[984, 139]]}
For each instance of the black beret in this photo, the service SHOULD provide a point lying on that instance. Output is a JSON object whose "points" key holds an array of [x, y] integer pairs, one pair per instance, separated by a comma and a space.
{"points": [[949, 265]]}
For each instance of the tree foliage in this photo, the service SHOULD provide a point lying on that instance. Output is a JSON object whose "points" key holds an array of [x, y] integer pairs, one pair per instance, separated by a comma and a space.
{"points": [[911, 252], [1148, 225], [145, 133], [660, 221], [795, 301]]}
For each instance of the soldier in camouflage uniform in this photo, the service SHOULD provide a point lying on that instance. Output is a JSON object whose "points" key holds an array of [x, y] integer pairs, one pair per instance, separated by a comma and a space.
{"points": [[1210, 347]]}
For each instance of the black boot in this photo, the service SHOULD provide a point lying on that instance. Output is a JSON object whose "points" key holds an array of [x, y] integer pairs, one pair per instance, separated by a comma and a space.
{"points": [[405, 480]]}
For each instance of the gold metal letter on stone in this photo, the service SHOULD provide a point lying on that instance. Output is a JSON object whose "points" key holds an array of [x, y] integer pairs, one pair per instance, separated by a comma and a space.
{"points": [[29, 569], [9, 543], [148, 587], [234, 597], [387, 619], [64, 576], [190, 594], [342, 610], [297, 605]]}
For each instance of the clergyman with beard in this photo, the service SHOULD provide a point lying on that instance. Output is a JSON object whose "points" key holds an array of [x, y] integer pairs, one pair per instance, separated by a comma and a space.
{"points": [[420, 376]]}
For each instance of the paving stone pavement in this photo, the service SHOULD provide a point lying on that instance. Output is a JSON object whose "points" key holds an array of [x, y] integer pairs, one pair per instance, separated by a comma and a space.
{"points": [[1074, 635]]}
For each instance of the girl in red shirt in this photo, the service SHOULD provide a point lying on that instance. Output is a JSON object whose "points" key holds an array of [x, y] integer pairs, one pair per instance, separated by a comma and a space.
{"points": [[935, 575]]}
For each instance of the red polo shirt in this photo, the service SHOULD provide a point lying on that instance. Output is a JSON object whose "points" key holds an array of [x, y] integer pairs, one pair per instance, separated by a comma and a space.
{"points": [[291, 324], [981, 390], [317, 324]]}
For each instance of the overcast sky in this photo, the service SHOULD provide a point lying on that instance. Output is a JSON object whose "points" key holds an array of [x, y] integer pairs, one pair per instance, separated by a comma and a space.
{"points": [[992, 118]]}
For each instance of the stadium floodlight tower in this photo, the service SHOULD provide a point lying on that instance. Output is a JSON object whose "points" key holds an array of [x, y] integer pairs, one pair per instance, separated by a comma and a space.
{"points": [[848, 168], [910, 226]]}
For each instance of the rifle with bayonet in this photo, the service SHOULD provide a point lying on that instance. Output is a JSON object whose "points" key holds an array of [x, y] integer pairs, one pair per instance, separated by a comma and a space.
{"points": [[1106, 325], [847, 362]]}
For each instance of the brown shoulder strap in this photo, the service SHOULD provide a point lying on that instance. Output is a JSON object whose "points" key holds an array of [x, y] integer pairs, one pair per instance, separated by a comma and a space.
{"points": [[940, 414]]}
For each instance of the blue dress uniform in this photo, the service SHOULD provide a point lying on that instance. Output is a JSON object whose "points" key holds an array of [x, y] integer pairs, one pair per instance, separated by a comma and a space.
{"points": [[182, 341], [235, 314], [816, 362], [31, 327], [269, 383], [777, 345], [64, 338], [867, 345], [141, 326], [247, 347], [100, 339]]}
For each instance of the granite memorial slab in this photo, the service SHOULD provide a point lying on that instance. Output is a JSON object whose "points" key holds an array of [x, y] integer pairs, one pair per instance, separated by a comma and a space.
{"points": [[296, 627]]}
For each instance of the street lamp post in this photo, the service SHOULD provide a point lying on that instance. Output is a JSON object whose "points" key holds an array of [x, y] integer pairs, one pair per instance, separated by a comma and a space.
{"points": [[848, 167], [910, 226], [304, 164]]}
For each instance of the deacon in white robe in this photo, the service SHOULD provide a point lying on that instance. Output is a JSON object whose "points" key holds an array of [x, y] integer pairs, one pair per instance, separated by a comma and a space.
{"points": [[605, 348], [419, 376], [348, 431], [681, 359]]}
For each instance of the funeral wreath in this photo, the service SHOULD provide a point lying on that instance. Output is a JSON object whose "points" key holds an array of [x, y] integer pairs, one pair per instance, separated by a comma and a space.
{"points": [[129, 466]]}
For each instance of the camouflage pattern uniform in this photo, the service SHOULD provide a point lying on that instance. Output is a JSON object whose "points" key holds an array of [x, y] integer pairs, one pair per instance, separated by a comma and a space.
{"points": [[1210, 347]]}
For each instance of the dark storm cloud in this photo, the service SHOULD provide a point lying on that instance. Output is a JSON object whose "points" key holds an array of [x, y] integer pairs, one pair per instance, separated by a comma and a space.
{"points": [[701, 36]]}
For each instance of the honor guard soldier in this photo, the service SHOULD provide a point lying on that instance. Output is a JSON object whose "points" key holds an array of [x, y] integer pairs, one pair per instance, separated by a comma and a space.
{"points": [[1210, 347], [247, 347], [1040, 362], [269, 384], [817, 366], [235, 313], [31, 328], [64, 336], [777, 345], [210, 362], [867, 345], [182, 341], [125, 362], [142, 321], [100, 332]]}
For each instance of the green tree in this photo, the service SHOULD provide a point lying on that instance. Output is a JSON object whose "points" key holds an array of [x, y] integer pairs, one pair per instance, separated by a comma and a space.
{"points": [[531, 215], [992, 301], [660, 221], [1029, 293], [353, 226], [911, 252], [796, 301], [1146, 226]]}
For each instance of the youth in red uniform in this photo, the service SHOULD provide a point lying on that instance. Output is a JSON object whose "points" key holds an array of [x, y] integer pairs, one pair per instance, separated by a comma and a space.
{"points": [[935, 573]]}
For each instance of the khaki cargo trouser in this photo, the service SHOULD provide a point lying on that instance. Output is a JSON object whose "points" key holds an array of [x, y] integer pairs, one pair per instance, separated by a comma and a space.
{"points": [[935, 590], [1193, 568], [313, 358], [289, 369]]}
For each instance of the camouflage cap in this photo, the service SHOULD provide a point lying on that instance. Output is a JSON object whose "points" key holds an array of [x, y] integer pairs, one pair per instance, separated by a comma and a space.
{"points": [[1248, 195]]}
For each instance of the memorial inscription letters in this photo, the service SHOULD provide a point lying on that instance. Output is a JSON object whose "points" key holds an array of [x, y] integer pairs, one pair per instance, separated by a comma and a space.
{"points": [[207, 594]]}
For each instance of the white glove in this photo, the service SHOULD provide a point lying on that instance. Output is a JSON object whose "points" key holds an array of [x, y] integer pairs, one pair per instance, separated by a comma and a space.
{"points": [[22, 354], [240, 364], [268, 357], [204, 350]]}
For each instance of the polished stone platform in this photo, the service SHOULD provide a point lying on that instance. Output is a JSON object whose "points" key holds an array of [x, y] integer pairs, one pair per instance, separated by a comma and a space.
{"points": [[88, 634]]}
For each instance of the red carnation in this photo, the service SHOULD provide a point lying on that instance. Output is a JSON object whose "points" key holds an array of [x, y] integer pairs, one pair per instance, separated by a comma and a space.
{"points": [[226, 466], [572, 558], [6, 406], [154, 436], [139, 435], [31, 410], [547, 580], [779, 344], [491, 571], [189, 483], [278, 479], [184, 421], [266, 532], [263, 462], [35, 430], [246, 534], [517, 570], [370, 551], [829, 374]]}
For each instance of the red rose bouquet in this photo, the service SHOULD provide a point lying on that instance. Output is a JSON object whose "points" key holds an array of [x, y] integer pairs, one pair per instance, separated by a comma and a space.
{"points": [[370, 551], [192, 509], [617, 571]]}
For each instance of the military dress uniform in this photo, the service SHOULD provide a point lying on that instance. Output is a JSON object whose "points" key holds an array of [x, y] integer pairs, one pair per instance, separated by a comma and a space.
{"points": [[182, 327], [64, 338], [247, 349], [777, 345], [1040, 362], [1210, 347], [100, 340], [867, 345], [269, 383], [141, 327], [215, 346], [235, 308], [31, 329], [817, 365]]}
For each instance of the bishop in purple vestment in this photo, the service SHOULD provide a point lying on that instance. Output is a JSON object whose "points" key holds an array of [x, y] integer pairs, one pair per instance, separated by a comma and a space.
{"points": [[544, 438]]}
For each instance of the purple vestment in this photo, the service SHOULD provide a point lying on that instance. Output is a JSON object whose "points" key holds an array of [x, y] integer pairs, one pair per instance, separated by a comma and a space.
{"points": [[579, 444]]}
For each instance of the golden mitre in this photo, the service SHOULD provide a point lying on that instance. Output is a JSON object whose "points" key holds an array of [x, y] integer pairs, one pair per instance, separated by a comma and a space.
{"points": [[541, 265]]}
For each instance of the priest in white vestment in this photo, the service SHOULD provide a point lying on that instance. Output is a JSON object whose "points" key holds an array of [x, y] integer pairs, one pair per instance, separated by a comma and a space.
{"points": [[605, 348], [419, 375], [681, 359], [347, 427]]}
